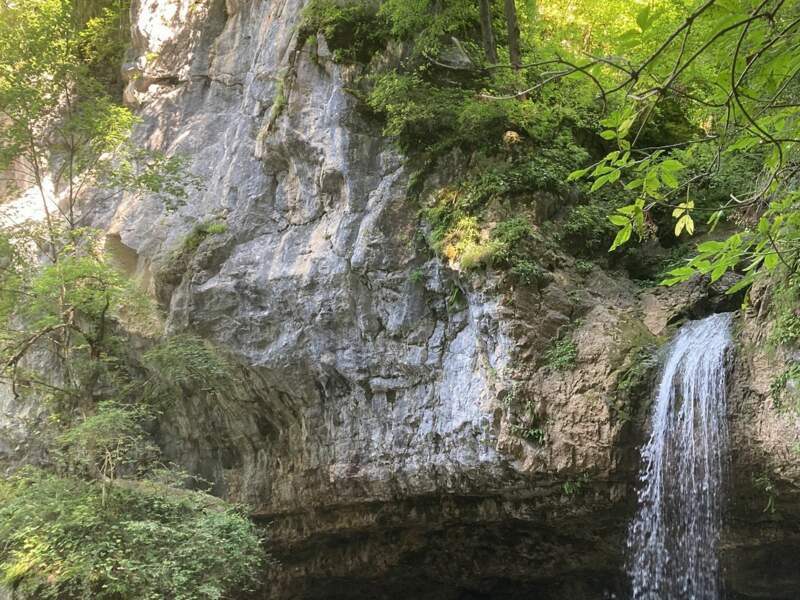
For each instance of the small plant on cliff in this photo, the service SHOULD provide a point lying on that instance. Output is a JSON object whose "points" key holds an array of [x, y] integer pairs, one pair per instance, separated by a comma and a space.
{"points": [[584, 267], [786, 385], [786, 321], [766, 485], [576, 487], [561, 354], [532, 433], [198, 235], [634, 382]]}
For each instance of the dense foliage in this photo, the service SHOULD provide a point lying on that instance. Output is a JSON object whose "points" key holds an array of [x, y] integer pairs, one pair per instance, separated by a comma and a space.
{"points": [[63, 538], [686, 127], [517, 133], [103, 517]]}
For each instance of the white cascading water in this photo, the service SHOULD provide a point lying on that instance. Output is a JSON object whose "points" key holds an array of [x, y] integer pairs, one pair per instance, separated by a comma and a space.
{"points": [[674, 537]]}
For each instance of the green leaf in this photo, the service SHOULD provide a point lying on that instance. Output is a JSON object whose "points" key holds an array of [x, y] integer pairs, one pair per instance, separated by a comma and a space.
{"points": [[679, 275], [743, 143], [711, 247], [602, 169], [599, 182], [652, 184], [625, 126], [672, 165], [634, 183], [669, 179], [713, 220], [575, 175], [623, 235], [718, 271], [685, 222], [619, 220], [771, 260], [744, 282], [608, 134], [670, 281], [630, 39], [643, 18]]}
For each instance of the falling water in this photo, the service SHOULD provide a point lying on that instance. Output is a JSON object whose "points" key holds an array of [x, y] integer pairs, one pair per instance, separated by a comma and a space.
{"points": [[673, 538]]}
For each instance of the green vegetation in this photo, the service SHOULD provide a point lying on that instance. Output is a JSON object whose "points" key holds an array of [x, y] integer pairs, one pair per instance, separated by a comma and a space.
{"points": [[179, 258], [572, 126], [90, 524], [766, 486], [779, 390], [417, 276], [655, 98], [66, 539], [353, 31], [198, 235], [576, 487], [784, 335], [98, 519], [634, 383], [711, 56], [529, 426], [561, 354], [583, 267], [526, 424], [786, 319], [532, 432]]}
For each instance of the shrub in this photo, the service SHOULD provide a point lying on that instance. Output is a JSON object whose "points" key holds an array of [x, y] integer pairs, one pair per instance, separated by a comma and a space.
{"points": [[200, 232], [529, 273], [787, 328], [107, 442], [427, 26], [420, 115], [576, 487], [417, 276], [354, 31], [515, 244], [188, 361], [64, 539], [178, 260], [586, 231], [533, 433], [584, 267]]}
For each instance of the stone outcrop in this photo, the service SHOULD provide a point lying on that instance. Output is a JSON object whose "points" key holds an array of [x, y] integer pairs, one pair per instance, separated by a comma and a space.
{"points": [[395, 422]]}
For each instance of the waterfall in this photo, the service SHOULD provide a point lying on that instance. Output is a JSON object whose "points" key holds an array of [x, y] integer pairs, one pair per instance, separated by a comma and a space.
{"points": [[674, 537]]}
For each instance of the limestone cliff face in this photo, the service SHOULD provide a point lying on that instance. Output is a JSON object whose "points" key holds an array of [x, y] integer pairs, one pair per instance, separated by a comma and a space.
{"points": [[361, 376], [383, 401]]}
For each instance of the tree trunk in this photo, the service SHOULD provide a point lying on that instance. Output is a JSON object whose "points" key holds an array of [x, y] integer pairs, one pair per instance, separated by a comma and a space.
{"points": [[512, 23], [489, 45]]}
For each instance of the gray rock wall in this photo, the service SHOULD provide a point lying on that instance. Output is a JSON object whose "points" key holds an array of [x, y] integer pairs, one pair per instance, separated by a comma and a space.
{"points": [[375, 420], [365, 380]]}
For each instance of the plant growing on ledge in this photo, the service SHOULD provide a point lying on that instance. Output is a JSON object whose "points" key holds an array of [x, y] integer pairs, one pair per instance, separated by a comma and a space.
{"points": [[561, 354]]}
